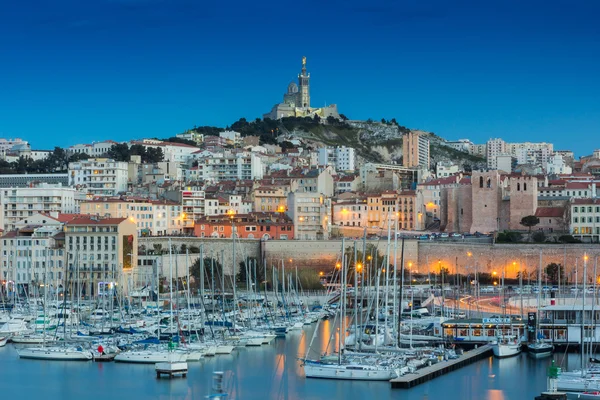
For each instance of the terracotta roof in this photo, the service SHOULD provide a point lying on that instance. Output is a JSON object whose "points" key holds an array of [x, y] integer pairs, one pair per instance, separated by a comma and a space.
{"points": [[585, 201], [89, 220], [577, 185], [550, 212]]}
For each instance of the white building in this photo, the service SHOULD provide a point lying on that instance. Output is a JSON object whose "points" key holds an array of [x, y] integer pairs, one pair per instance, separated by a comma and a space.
{"points": [[229, 167], [99, 176], [585, 219], [460, 145], [555, 164], [193, 206], [504, 162], [446, 169], [172, 152], [342, 158], [311, 214], [495, 148], [515, 148], [232, 137], [533, 156], [151, 217], [20, 203], [34, 256]]}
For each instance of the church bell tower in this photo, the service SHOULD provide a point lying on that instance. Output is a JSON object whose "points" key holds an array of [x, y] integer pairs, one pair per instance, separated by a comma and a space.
{"points": [[304, 87]]}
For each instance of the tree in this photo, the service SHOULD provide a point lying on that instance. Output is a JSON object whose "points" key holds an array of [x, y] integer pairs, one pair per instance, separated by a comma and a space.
{"points": [[554, 271], [153, 155], [539, 237], [243, 270], [343, 117], [210, 265], [530, 221], [119, 152]]}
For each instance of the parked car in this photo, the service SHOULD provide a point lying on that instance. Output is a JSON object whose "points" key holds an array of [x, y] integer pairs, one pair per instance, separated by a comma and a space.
{"points": [[424, 237], [456, 235], [444, 235]]}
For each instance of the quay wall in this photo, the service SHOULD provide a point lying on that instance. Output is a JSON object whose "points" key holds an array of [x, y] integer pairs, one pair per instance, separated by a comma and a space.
{"points": [[512, 257], [422, 256]]}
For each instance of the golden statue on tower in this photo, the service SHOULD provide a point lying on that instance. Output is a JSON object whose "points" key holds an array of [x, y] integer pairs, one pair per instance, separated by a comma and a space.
{"points": [[304, 61]]}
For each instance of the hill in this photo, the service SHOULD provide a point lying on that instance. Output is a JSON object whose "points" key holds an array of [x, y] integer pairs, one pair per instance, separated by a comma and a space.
{"points": [[374, 141]]}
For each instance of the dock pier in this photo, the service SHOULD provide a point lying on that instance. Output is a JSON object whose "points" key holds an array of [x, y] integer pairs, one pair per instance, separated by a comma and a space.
{"points": [[425, 374]]}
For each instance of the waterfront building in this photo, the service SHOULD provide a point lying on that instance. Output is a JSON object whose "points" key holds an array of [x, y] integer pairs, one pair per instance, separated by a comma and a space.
{"points": [[22, 202], [34, 255], [254, 225], [99, 250]]}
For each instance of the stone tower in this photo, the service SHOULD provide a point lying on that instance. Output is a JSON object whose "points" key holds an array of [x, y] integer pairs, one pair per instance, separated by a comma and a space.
{"points": [[486, 199], [523, 199], [303, 87]]}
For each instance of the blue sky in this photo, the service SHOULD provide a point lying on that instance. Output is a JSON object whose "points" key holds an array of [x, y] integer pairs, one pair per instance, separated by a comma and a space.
{"points": [[75, 71]]}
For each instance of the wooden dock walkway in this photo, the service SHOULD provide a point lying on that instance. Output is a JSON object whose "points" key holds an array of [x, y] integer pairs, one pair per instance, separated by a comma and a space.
{"points": [[425, 374]]}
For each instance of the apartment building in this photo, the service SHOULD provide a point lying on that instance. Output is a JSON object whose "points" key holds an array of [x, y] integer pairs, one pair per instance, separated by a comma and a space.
{"points": [[230, 166], [311, 215], [270, 198], [415, 150], [151, 217], [254, 225], [585, 219], [19, 203], [193, 203], [99, 176], [34, 257], [342, 158], [350, 212], [99, 250]]}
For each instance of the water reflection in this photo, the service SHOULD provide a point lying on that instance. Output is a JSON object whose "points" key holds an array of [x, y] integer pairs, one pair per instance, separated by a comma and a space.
{"points": [[269, 372]]}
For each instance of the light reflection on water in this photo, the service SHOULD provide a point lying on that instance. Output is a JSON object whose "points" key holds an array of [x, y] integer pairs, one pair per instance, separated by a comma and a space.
{"points": [[270, 372]]}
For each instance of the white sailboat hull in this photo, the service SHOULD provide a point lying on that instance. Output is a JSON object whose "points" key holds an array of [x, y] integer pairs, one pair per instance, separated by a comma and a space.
{"points": [[347, 372], [3, 341], [506, 350], [573, 384], [55, 353], [149, 357]]}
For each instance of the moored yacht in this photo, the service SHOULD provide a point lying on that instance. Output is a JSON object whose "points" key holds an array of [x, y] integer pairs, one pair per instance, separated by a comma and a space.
{"points": [[507, 346], [55, 353]]}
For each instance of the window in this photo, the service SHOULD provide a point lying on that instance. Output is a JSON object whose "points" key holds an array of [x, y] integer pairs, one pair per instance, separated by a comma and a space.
{"points": [[481, 181], [525, 187], [575, 209], [518, 186]]}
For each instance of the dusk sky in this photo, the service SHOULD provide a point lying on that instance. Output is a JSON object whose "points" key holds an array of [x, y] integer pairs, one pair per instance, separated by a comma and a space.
{"points": [[78, 71]]}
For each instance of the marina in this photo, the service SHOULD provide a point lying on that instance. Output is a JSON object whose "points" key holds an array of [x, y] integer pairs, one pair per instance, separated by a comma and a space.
{"points": [[428, 373]]}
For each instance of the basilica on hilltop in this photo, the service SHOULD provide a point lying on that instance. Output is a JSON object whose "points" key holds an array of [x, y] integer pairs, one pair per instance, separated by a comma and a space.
{"points": [[296, 101]]}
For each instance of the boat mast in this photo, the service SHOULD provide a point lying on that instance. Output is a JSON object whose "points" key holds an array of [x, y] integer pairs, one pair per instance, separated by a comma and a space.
{"points": [[585, 259], [539, 298], [342, 304]]}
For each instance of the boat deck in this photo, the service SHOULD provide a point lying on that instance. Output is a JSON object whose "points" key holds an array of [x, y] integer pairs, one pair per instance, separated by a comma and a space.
{"points": [[425, 374]]}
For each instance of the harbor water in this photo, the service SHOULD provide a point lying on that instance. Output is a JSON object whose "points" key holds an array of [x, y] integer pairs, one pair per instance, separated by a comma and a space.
{"points": [[267, 372]]}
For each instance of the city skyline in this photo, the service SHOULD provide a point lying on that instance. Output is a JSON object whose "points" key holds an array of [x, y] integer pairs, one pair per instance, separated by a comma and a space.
{"points": [[124, 69]]}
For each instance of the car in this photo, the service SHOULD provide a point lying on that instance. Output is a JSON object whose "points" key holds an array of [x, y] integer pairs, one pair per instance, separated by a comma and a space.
{"points": [[545, 289], [424, 237], [444, 235], [554, 288], [456, 235]]}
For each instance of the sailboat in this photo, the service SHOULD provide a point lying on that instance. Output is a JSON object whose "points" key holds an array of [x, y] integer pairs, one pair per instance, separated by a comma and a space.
{"points": [[346, 368], [62, 352], [539, 349], [506, 345], [3, 341]]}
